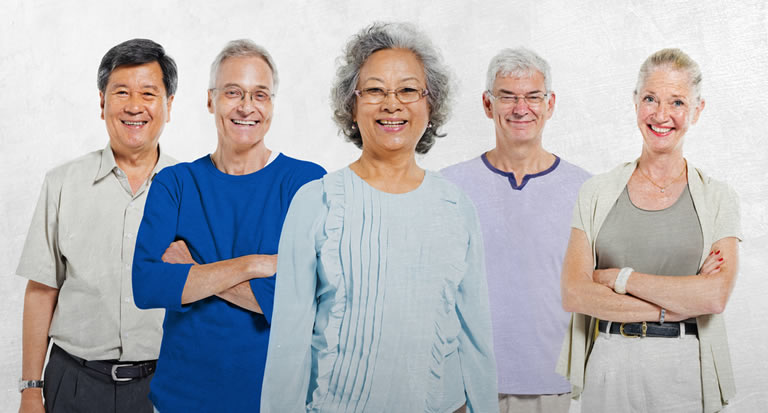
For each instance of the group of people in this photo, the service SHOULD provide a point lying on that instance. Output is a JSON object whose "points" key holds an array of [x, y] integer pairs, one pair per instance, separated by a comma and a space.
{"points": [[381, 287]]}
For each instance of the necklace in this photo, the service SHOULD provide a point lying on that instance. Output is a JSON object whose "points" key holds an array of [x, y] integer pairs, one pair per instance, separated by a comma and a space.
{"points": [[662, 188]]}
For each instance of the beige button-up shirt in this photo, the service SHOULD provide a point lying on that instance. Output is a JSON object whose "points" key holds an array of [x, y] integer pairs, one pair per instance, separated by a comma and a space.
{"points": [[81, 242]]}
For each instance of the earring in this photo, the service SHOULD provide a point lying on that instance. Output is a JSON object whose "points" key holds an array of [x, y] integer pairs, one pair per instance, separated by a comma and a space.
{"points": [[429, 125], [353, 127]]}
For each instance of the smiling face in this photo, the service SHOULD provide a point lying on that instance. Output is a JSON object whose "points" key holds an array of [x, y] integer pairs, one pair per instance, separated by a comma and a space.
{"points": [[242, 121], [391, 126], [519, 122], [135, 108], [665, 108]]}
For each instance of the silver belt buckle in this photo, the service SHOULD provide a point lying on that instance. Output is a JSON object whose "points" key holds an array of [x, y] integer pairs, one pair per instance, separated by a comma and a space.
{"points": [[114, 371]]}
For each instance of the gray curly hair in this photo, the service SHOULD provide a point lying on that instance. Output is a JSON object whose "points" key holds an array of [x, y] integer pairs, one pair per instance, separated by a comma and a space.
{"points": [[381, 36]]}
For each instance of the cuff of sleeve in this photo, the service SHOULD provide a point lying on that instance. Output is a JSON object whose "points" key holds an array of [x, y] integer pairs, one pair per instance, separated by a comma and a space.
{"points": [[264, 292], [163, 290]]}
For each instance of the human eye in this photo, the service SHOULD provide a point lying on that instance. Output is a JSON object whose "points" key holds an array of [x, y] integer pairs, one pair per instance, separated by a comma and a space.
{"points": [[534, 99], [408, 93], [508, 98], [648, 99], [374, 91], [120, 92], [150, 95], [678, 103], [233, 92], [261, 96]]}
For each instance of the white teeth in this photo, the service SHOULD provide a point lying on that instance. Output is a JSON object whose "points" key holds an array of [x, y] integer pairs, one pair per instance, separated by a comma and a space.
{"points": [[392, 122], [129, 123], [660, 130], [243, 122]]}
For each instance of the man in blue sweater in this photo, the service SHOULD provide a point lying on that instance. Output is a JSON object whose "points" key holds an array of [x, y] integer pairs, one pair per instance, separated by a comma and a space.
{"points": [[222, 216]]}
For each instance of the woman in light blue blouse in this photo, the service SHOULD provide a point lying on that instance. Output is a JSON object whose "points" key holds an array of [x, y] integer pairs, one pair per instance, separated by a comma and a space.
{"points": [[381, 302]]}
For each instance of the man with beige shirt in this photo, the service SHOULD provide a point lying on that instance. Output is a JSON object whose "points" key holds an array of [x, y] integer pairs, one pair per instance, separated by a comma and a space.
{"points": [[79, 251]]}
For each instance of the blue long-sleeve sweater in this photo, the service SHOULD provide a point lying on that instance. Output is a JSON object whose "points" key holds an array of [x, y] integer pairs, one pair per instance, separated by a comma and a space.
{"points": [[213, 352]]}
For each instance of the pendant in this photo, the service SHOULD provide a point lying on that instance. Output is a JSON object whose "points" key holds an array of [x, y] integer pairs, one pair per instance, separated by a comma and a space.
{"points": [[662, 190]]}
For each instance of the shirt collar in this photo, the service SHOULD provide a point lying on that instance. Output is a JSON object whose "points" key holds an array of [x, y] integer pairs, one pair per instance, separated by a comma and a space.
{"points": [[108, 163]]}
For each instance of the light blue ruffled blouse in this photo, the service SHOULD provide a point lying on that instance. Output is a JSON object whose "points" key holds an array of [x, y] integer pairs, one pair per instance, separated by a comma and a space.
{"points": [[381, 302]]}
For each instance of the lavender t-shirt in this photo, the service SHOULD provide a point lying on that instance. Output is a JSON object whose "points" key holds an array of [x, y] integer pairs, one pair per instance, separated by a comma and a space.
{"points": [[525, 232]]}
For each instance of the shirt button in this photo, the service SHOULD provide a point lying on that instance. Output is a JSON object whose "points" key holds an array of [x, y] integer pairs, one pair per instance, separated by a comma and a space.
{"points": [[127, 299], [128, 236]]}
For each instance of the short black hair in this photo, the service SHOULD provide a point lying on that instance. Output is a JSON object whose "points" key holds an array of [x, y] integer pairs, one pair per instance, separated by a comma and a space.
{"points": [[138, 52]]}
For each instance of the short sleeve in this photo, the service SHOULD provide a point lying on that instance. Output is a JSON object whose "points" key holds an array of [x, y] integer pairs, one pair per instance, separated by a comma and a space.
{"points": [[581, 209], [727, 215], [41, 260]]}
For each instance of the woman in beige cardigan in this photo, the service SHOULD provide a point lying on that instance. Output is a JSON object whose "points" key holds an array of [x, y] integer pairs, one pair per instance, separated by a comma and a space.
{"points": [[650, 265]]}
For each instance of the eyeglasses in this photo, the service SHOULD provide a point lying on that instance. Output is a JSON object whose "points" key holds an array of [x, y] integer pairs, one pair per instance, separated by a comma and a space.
{"points": [[403, 94], [531, 100], [234, 93]]}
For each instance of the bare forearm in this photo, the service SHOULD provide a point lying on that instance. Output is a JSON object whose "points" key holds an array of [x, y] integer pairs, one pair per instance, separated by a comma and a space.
{"points": [[599, 301], [692, 294], [582, 294], [706, 293], [242, 296], [210, 279], [39, 304]]}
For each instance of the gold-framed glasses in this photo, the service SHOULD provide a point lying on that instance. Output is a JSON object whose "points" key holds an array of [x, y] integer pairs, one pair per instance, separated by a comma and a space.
{"points": [[533, 100], [403, 94], [238, 94]]}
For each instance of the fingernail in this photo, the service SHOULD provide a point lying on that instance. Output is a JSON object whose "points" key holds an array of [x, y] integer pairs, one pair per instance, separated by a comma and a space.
{"points": [[718, 251], [717, 268], [711, 252], [720, 259]]}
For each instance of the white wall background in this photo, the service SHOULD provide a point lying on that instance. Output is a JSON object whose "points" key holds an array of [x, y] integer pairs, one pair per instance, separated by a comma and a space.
{"points": [[49, 112]]}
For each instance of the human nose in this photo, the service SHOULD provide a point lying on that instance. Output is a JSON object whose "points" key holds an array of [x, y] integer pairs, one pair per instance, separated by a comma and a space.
{"points": [[392, 103], [661, 113], [135, 104], [520, 106], [246, 103]]}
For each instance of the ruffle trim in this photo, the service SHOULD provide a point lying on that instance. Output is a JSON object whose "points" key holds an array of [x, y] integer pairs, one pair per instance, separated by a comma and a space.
{"points": [[330, 259]]}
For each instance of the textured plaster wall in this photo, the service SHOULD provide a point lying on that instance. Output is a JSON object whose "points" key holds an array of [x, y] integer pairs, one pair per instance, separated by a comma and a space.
{"points": [[49, 113]]}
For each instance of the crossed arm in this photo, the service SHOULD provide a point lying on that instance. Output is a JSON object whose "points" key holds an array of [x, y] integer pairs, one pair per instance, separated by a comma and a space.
{"points": [[227, 279], [589, 291]]}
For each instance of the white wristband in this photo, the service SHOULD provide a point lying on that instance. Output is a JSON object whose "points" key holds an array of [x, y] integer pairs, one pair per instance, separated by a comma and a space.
{"points": [[620, 285]]}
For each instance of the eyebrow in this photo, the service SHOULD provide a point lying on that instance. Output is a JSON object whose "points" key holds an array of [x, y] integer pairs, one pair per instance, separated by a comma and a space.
{"points": [[401, 80], [650, 92], [509, 92], [119, 85], [262, 87]]}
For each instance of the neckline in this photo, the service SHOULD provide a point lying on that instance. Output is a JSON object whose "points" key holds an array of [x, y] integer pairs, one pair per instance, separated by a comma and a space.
{"points": [[677, 201], [208, 162], [511, 176], [355, 176]]}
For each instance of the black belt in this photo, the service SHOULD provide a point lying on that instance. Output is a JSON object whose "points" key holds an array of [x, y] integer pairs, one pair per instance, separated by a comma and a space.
{"points": [[119, 371], [648, 329]]}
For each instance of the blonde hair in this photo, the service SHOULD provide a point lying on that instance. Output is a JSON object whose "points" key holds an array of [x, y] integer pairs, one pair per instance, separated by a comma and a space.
{"points": [[674, 59]]}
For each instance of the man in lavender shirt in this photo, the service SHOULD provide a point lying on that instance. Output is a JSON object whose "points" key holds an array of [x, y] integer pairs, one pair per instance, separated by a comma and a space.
{"points": [[524, 196]]}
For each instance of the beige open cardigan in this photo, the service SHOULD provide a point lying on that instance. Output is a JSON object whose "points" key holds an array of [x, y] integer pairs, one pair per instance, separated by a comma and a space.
{"points": [[718, 209]]}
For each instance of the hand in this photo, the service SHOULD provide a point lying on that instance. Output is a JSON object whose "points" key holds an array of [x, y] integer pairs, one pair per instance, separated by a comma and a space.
{"points": [[31, 401], [178, 253], [712, 264], [605, 277]]}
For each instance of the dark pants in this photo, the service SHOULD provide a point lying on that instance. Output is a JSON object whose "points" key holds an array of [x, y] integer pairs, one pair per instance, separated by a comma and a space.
{"points": [[71, 387]]}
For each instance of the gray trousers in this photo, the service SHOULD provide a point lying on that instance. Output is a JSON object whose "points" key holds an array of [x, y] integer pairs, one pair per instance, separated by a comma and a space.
{"points": [[72, 387]]}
